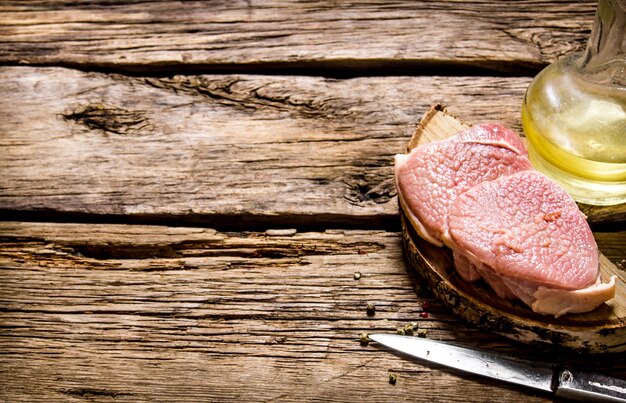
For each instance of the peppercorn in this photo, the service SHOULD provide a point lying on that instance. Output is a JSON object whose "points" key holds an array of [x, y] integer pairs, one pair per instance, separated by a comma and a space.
{"points": [[357, 275], [392, 379], [408, 329], [364, 339], [371, 309]]}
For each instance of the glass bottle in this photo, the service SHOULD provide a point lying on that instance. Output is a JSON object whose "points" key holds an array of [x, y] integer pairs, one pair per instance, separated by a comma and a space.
{"points": [[574, 114]]}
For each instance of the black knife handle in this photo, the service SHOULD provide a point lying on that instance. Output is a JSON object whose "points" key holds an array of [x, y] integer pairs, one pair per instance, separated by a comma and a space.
{"points": [[589, 387]]}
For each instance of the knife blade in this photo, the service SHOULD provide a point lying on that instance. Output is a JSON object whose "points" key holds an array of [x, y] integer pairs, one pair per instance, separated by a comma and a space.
{"points": [[567, 383]]}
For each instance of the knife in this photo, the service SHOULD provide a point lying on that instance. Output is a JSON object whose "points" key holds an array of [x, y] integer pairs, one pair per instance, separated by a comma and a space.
{"points": [[567, 383]]}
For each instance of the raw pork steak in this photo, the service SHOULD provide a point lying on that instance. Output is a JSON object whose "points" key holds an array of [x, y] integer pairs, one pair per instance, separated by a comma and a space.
{"points": [[477, 193], [527, 238], [430, 177]]}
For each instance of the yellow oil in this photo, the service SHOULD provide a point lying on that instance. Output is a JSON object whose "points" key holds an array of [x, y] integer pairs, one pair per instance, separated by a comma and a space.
{"points": [[576, 131]]}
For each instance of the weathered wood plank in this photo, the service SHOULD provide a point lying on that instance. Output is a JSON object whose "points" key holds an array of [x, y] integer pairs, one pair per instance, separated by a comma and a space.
{"points": [[229, 150], [267, 150], [142, 313], [166, 36]]}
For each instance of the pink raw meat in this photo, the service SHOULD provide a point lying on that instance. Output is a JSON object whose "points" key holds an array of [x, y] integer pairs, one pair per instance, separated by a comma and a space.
{"points": [[431, 176], [477, 193], [527, 238], [526, 227]]}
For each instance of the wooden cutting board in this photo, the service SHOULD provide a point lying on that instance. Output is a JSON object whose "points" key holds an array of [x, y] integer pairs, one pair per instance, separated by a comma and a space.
{"points": [[600, 331]]}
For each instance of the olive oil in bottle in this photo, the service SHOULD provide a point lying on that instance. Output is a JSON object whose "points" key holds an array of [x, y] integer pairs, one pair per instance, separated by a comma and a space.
{"points": [[574, 114]]}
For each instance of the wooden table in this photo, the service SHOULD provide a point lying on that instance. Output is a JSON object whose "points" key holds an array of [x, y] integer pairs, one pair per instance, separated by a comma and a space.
{"points": [[187, 190]]}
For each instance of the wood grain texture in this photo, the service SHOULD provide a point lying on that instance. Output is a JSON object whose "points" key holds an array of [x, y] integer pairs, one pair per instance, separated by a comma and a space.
{"points": [[144, 313], [599, 331], [99, 312], [266, 150], [270, 151], [166, 36]]}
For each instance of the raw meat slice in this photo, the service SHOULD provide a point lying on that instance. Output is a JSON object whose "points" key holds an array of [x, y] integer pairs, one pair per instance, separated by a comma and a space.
{"points": [[527, 238], [521, 225], [430, 177]]}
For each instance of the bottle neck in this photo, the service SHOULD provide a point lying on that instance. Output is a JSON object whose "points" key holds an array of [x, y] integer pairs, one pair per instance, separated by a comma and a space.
{"points": [[605, 57]]}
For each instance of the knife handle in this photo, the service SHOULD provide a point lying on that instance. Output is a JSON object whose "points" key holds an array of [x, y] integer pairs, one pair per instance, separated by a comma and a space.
{"points": [[590, 387]]}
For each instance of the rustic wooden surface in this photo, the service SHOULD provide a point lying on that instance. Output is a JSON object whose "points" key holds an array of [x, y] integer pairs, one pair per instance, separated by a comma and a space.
{"points": [[149, 312], [259, 137], [172, 148], [114, 145], [164, 36]]}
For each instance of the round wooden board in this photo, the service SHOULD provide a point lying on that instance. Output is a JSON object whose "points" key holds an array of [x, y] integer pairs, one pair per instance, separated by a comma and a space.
{"points": [[600, 331]]}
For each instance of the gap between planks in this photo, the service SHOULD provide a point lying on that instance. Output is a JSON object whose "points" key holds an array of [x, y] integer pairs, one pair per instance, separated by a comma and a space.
{"points": [[334, 69]]}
